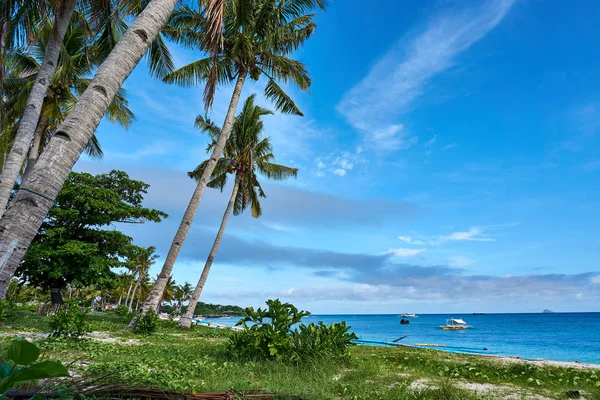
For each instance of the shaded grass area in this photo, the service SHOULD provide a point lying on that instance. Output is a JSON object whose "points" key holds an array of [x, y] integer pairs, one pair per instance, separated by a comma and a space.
{"points": [[197, 361]]}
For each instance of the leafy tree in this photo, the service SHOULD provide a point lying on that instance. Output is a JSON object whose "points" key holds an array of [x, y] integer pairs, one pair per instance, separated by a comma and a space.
{"points": [[259, 36], [74, 245], [182, 294], [140, 261], [29, 208], [103, 23], [247, 154], [70, 79]]}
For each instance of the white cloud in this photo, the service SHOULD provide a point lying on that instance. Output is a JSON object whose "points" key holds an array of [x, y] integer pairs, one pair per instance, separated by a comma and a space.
{"points": [[474, 234], [346, 164], [155, 148], [459, 261], [401, 76], [450, 146], [339, 163], [404, 252], [275, 226], [431, 141]]}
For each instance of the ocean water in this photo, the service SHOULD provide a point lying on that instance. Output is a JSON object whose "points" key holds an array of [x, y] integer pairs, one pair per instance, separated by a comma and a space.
{"points": [[557, 337]]}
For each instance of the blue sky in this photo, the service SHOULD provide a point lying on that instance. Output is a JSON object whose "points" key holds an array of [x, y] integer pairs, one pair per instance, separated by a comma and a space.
{"points": [[449, 162]]}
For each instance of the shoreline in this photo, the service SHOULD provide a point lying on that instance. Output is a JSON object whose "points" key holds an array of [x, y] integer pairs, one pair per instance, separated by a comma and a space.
{"points": [[540, 362], [500, 358]]}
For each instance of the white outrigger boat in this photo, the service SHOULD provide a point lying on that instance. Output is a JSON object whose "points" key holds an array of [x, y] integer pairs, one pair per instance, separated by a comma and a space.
{"points": [[455, 324], [408, 315]]}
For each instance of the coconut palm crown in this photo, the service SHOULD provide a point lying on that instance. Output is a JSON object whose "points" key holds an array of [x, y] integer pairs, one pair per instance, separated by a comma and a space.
{"points": [[246, 153], [257, 40]]}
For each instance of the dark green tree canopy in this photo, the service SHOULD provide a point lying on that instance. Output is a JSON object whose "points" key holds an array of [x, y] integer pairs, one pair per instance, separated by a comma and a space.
{"points": [[78, 243]]}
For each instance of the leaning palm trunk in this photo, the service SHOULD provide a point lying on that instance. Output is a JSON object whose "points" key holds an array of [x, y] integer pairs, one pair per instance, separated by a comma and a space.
{"points": [[30, 206], [29, 120], [128, 292], [186, 320], [134, 291], [188, 217]]}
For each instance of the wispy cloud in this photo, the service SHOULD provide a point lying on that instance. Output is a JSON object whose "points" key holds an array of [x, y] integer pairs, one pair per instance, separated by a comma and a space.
{"points": [[339, 163], [431, 141], [156, 148], [459, 261], [450, 146], [401, 76], [404, 252], [474, 234]]}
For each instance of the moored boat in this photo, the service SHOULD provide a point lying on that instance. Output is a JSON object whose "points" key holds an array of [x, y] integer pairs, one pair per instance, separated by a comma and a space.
{"points": [[455, 324], [408, 315]]}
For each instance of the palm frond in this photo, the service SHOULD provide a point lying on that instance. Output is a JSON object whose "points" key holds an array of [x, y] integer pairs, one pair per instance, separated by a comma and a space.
{"points": [[160, 60], [276, 172], [282, 101], [93, 148]]}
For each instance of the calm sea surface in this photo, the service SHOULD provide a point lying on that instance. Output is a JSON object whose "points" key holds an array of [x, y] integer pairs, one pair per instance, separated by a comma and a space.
{"points": [[558, 337]]}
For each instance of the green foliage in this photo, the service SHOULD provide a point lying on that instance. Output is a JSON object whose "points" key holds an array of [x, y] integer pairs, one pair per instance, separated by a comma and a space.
{"points": [[258, 38], [122, 310], [7, 310], [270, 335], [247, 153], [217, 309], [321, 340], [199, 360], [23, 367], [146, 324], [73, 245], [70, 321]]}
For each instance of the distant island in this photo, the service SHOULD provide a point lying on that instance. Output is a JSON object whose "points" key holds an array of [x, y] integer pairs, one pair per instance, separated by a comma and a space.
{"points": [[546, 311]]}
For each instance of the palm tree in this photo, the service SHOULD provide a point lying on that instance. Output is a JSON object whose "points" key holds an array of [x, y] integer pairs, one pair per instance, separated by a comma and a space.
{"points": [[247, 154], [258, 38], [28, 122], [169, 293], [182, 294], [140, 261], [29, 207], [106, 26], [68, 82]]}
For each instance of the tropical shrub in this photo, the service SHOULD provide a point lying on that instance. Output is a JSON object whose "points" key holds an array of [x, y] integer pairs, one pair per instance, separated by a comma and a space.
{"points": [[268, 334], [30, 308], [70, 320], [321, 340], [23, 367], [146, 324], [122, 310], [7, 310]]}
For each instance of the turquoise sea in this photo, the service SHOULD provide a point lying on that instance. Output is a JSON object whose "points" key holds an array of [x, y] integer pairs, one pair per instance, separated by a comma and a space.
{"points": [[557, 337]]}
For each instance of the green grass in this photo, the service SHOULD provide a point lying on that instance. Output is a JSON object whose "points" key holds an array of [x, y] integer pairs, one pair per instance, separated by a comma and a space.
{"points": [[197, 361]]}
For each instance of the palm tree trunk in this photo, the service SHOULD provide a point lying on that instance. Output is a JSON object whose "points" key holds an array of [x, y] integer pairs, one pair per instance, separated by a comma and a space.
{"points": [[56, 298], [134, 290], [29, 120], [34, 152], [128, 291], [186, 320], [23, 218], [161, 282]]}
